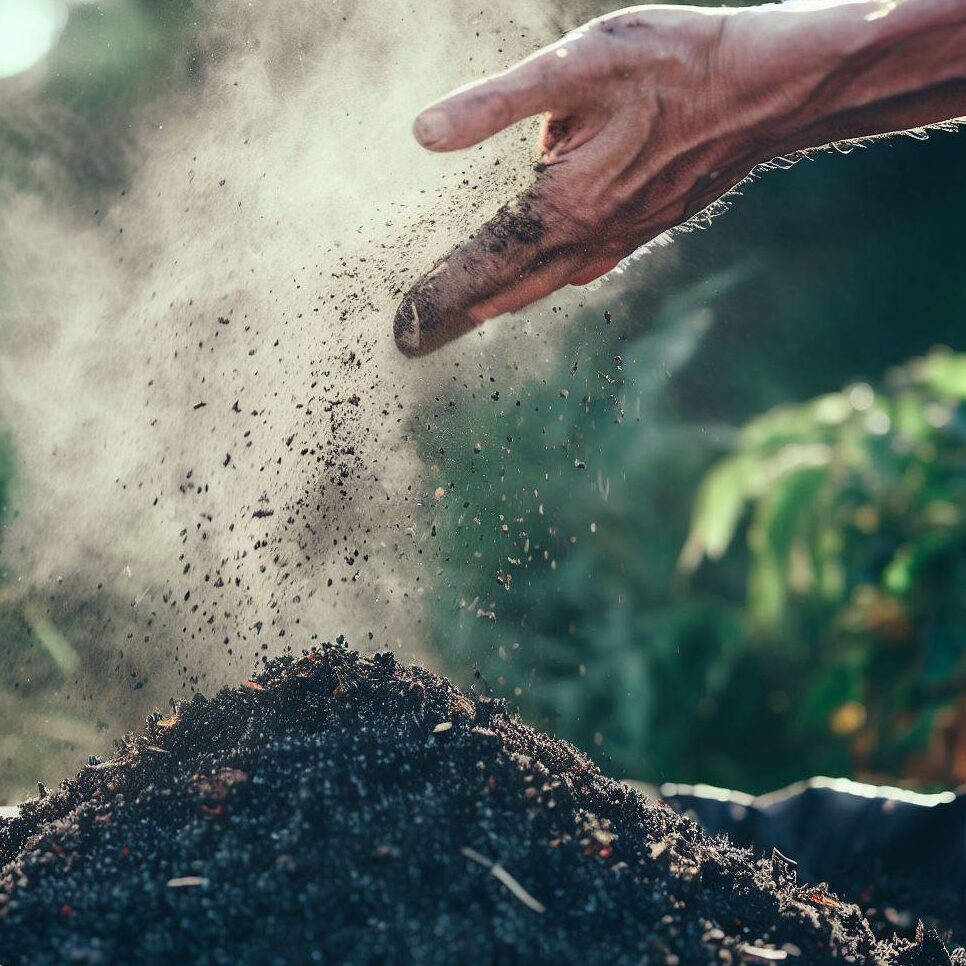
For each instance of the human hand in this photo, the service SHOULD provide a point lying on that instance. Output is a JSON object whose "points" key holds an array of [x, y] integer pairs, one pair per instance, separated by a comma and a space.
{"points": [[652, 113], [639, 135]]}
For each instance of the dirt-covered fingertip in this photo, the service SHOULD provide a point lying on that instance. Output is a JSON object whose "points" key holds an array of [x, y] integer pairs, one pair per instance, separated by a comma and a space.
{"points": [[425, 321], [418, 322], [406, 327]]}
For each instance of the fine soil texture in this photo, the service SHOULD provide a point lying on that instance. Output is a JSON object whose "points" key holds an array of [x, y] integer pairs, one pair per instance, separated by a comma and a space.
{"points": [[343, 810]]}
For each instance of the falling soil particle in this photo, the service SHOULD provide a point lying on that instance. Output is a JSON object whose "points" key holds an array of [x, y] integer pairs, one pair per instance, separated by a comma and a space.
{"points": [[319, 817]]}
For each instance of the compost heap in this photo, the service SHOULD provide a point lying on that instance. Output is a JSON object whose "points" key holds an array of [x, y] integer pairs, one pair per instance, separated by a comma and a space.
{"points": [[345, 810]]}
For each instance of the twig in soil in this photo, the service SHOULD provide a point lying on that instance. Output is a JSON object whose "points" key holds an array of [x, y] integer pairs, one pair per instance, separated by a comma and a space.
{"points": [[500, 873], [759, 954]]}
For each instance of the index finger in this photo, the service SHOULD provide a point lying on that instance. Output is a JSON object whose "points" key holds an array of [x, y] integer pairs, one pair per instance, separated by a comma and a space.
{"points": [[545, 81]]}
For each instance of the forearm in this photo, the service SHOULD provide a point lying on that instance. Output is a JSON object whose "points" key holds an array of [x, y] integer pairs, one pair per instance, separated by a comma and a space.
{"points": [[836, 71]]}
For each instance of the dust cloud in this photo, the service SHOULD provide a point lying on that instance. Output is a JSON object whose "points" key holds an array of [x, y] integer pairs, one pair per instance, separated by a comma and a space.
{"points": [[212, 426]]}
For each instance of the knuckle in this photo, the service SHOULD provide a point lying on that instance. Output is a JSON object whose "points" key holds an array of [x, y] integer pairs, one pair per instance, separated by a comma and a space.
{"points": [[572, 207]]}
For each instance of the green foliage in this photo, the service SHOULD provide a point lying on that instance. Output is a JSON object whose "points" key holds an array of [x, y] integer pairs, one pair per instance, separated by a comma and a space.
{"points": [[857, 522], [829, 640]]}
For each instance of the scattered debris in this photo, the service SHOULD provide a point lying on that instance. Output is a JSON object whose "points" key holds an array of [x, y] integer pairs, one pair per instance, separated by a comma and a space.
{"points": [[759, 954], [187, 882]]}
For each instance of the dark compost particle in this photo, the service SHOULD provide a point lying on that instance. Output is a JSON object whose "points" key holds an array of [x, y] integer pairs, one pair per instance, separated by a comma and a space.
{"points": [[341, 810]]}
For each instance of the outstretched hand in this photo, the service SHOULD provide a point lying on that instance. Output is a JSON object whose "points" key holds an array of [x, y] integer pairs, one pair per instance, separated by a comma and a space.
{"points": [[637, 137], [653, 113]]}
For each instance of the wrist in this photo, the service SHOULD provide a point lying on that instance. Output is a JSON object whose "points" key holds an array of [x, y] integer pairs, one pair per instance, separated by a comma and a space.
{"points": [[785, 59], [814, 71]]}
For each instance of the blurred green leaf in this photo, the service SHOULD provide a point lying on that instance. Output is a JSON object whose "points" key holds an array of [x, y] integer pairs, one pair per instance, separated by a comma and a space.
{"points": [[943, 372], [717, 510]]}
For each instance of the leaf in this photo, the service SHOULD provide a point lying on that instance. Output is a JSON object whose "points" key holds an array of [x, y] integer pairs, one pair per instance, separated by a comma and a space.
{"points": [[790, 460], [808, 423], [778, 426], [943, 372], [717, 510], [60, 650], [780, 518]]}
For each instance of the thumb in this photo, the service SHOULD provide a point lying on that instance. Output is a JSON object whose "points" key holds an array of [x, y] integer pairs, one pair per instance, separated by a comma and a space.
{"points": [[475, 112]]}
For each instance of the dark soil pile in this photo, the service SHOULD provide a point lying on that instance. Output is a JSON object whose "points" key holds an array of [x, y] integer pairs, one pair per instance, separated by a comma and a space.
{"points": [[349, 811]]}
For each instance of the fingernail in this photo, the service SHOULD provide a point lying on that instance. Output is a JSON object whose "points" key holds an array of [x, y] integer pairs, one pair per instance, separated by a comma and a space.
{"points": [[419, 326], [406, 327], [432, 127]]}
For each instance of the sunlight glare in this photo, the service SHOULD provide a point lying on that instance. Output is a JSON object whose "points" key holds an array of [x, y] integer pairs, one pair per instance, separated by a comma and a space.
{"points": [[28, 31]]}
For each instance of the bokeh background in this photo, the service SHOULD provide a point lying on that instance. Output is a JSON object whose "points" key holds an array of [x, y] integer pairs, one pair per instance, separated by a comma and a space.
{"points": [[722, 538]]}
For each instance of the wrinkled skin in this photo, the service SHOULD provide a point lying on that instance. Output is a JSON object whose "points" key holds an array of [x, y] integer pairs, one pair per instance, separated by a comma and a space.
{"points": [[629, 119], [651, 114]]}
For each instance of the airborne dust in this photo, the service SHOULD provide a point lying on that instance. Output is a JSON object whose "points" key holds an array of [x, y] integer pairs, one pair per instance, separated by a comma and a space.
{"points": [[212, 426]]}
